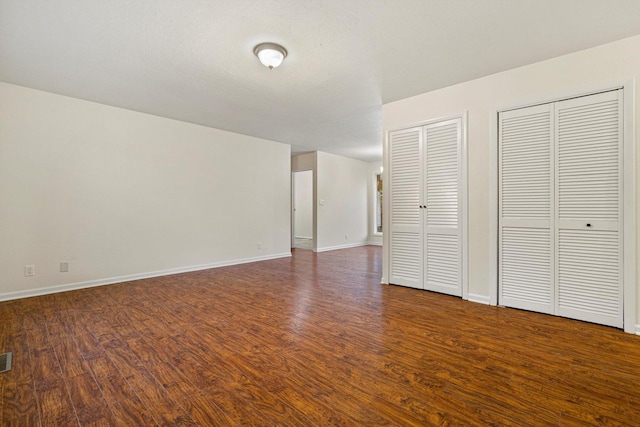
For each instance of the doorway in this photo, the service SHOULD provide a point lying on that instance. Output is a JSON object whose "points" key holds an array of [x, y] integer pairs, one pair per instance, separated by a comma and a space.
{"points": [[302, 224]]}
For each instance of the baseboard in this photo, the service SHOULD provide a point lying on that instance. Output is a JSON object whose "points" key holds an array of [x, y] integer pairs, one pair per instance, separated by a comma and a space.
{"points": [[303, 237], [384, 281], [374, 243], [479, 299], [348, 245], [637, 329], [128, 278]]}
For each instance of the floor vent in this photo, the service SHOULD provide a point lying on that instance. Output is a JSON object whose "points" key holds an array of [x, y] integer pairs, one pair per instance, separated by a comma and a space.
{"points": [[5, 362]]}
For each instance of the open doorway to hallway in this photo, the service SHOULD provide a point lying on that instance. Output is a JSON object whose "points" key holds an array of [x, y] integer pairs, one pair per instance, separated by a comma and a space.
{"points": [[302, 223]]}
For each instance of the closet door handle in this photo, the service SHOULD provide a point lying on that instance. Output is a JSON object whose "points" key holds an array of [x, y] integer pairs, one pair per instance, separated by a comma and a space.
{"points": [[588, 225]]}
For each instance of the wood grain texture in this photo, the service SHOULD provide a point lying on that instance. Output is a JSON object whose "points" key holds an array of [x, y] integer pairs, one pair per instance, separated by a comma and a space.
{"points": [[313, 340]]}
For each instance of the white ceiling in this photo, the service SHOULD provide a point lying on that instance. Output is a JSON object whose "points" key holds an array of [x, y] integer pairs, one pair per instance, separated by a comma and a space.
{"points": [[192, 60]]}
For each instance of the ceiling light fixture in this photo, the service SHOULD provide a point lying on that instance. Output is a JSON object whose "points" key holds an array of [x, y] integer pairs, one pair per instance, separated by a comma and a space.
{"points": [[270, 54]]}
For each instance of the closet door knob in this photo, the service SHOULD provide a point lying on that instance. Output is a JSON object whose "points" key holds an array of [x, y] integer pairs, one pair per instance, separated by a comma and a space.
{"points": [[588, 225]]}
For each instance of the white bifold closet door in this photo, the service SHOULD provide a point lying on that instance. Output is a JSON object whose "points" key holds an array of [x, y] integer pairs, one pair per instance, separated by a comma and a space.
{"points": [[589, 208], [406, 240], [526, 200], [561, 208], [425, 206], [442, 207]]}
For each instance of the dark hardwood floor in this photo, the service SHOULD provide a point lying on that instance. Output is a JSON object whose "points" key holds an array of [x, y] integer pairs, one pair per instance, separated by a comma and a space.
{"points": [[313, 340]]}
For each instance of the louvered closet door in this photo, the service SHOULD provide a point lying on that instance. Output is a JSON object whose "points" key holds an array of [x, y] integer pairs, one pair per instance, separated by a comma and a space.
{"points": [[589, 200], [406, 238], [526, 201], [442, 215]]}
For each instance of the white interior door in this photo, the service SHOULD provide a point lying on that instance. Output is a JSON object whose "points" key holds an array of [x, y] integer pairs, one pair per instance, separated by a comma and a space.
{"points": [[303, 204], [526, 209], [442, 212], [406, 239], [589, 208], [302, 216]]}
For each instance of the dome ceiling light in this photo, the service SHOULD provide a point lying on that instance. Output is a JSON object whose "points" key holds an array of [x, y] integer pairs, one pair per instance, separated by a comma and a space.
{"points": [[270, 54]]}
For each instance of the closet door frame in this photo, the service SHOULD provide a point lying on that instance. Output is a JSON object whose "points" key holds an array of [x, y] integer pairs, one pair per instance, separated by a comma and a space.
{"points": [[463, 195], [629, 195]]}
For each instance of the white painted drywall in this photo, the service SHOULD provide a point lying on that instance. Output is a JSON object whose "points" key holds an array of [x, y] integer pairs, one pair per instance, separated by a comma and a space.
{"points": [[116, 193], [580, 72], [342, 202], [374, 239], [303, 204]]}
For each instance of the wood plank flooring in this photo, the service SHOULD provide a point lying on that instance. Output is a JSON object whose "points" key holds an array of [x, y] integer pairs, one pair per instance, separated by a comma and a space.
{"points": [[313, 340]]}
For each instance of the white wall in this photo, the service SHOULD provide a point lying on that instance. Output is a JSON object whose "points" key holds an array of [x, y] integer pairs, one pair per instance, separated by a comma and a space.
{"points": [[118, 193], [342, 202], [581, 72], [303, 204], [374, 167]]}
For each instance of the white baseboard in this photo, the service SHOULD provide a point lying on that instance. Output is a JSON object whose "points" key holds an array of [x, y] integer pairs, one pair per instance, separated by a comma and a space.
{"points": [[384, 281], [303, 237], [111, 280], [479, 298], [637, 329], [348, 245], [374, 243]]}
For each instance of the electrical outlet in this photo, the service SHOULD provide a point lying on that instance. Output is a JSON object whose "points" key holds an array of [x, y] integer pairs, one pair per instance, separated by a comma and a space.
{"points": [[259, 245], [29, 270], [64, 267]]}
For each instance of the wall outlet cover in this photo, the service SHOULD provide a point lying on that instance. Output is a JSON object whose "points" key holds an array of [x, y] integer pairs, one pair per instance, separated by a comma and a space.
{"points": [[29, 270]]}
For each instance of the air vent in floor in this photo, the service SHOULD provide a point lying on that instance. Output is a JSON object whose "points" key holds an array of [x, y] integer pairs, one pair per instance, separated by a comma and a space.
{"points": [[5, 362]]}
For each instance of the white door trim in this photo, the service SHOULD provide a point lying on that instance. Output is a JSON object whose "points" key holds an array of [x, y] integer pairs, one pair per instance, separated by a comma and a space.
{"points": [[629, 208], [464, 188], [629, 195]]}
